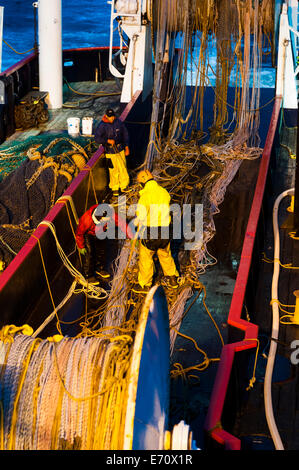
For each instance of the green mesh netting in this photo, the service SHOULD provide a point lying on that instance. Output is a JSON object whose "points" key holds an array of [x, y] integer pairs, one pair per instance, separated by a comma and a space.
{"points": [[34, 174]]}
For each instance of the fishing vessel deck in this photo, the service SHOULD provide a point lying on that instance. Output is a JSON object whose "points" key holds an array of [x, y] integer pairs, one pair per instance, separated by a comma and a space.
{"points": [[80, 99], [251, 424], [219, 279], [190, 397]]}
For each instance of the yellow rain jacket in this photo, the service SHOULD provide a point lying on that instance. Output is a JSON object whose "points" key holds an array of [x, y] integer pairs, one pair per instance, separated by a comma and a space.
{"points": [[153, 205], [153, 211]]}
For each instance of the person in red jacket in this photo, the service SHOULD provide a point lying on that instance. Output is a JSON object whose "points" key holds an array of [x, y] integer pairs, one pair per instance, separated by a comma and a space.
{"points": [[92, 245]]}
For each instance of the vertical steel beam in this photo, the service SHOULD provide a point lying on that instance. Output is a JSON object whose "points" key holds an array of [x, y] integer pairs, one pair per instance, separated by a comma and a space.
{"points": [[50, 51]]}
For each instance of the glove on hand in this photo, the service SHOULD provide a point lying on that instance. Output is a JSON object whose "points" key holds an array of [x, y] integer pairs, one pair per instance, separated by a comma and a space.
{"points": [[82, 251]]}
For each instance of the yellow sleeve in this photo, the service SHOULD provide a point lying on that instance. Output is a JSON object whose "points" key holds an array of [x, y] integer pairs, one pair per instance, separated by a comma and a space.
{"points": [[141, 211]]}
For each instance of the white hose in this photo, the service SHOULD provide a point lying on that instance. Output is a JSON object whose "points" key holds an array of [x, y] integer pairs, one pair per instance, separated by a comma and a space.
{"points": [[275, 326]]}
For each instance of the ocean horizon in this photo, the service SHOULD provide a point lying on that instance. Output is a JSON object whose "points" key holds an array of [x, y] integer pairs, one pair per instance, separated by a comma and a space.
{"points": [[85, 23]]}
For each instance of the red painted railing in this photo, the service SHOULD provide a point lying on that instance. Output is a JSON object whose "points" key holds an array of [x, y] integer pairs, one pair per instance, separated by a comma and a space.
{"points": [[213, 419], [34, 55]]}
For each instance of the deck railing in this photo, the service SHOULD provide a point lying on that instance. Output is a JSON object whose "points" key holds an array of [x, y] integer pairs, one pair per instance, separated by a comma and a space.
{"points": [[213, 423], [84, 64], [23, 281]]}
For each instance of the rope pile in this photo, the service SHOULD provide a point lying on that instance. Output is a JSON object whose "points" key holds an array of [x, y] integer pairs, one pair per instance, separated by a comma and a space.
{"points": [[62, 393], [30, 113]]}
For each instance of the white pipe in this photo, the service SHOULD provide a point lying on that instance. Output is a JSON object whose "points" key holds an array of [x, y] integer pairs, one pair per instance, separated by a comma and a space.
{"points": [[50, 51], [275, 326]]}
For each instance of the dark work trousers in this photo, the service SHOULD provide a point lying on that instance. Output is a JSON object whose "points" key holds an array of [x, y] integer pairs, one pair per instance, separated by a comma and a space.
{"points": [[153, 243], [95, 257], [157, 239]]}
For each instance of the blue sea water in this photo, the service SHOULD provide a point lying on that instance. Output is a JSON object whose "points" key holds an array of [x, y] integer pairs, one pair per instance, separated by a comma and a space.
{"points": [[85, 23]]}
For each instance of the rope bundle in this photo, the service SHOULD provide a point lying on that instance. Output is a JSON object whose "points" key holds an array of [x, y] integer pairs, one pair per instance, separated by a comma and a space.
{"points": [[30, 114], [63, 393]]}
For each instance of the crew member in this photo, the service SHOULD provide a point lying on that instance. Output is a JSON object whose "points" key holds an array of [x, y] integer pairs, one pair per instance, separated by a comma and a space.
{"points": [[113, 135], [94, 248], [153, 220]]}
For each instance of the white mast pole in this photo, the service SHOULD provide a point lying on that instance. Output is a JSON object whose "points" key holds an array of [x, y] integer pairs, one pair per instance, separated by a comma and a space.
{"points": [[50, 51]]}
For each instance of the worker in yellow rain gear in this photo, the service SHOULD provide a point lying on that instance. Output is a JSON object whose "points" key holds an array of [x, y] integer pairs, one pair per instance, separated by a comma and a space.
{"points": [[153, 221], [113, 135]]}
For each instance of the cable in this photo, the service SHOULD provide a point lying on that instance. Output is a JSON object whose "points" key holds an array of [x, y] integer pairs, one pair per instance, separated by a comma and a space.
{"points": [[17, 52]]}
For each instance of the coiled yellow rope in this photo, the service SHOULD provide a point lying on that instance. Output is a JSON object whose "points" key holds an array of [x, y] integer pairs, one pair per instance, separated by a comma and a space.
{"points": [[86, 383]]}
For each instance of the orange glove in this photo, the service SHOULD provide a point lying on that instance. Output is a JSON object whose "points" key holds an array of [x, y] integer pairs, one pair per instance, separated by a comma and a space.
{"points": [[127, 151]]}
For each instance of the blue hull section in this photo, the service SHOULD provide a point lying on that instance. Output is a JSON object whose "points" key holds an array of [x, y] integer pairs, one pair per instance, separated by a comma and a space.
{"points": [[152, 401]]}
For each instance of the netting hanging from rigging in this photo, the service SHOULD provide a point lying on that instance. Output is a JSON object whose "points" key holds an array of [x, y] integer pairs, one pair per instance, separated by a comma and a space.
{"points": [[240, 31]]}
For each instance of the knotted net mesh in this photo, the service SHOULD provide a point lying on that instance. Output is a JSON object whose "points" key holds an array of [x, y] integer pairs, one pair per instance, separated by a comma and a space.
{"points": [[34, 174]]}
